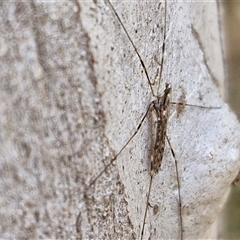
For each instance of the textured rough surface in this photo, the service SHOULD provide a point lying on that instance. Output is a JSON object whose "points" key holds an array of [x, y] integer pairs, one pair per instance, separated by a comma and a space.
{"points": [[72, 92]]}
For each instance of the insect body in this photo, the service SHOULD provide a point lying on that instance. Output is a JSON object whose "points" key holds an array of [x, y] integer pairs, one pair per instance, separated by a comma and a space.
{"points": [[161, 108]]}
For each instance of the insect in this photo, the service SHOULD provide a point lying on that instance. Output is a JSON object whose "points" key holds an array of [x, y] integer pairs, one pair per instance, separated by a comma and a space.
{"points": [[161, 108]]}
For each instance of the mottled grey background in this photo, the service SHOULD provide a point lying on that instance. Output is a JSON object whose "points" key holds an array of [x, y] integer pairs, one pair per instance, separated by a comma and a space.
{"points": [[231, 26]]}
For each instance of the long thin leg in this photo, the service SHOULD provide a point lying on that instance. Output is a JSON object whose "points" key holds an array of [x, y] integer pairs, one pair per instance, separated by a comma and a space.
{"points": [[135, 49], [192, 105], [146, 208], [129, 140], [179, 188]]}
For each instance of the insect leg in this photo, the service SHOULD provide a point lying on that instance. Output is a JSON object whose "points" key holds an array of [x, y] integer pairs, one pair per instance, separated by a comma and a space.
{"points": [[179, 188], [129, 140]]}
